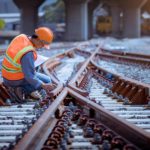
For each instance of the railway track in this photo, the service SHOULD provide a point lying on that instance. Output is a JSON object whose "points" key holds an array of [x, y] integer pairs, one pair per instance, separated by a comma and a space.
{"points": [[87, 96], [115, 93], [99, 89], [76, 127], [64, 66], [17, 119], [125, 65]]}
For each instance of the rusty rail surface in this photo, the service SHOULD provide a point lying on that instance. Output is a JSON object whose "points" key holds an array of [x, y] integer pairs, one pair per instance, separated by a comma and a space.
{"points": [[46, 68], [41, 106], [126, 82], [77, 92], [118, 84], [126, 54], [74, 82], [127, 57], [51, 64], [121, 89], [120, 126], [40, 128]]}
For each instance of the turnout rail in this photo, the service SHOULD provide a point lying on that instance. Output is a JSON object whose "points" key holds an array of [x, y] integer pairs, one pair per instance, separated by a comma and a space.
{"points": [[92, 107]]}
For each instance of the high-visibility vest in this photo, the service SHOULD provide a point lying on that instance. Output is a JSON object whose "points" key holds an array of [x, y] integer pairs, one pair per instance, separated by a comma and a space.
{"points": [[11, 65]]}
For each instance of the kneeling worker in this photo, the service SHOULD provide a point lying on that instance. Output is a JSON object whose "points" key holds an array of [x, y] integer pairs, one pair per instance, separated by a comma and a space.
{"points": [[18, 69]]}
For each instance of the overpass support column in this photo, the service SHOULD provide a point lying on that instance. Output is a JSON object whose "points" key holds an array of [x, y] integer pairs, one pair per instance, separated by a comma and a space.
{"points": [[131, 22], [116, 22], [76, 20], [90, 21], [132, 17], [29, 14], [91, 6]]}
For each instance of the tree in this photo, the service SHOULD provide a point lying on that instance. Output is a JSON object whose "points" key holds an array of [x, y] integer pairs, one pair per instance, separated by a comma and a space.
{"points": [[55, 12], [2, 24]]}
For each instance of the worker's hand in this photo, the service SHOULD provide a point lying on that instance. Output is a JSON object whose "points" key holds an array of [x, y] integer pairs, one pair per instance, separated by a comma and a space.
{"points": [[48, 86]]}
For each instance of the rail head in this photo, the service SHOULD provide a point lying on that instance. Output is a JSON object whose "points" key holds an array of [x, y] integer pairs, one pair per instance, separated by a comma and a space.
{"points": [[33, 136], [122, 53], [123, 127], [127, 79], [143, 60]]}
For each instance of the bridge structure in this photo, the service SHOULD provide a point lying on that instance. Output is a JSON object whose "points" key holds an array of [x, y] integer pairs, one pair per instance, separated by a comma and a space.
{"points": [[79, 16]]}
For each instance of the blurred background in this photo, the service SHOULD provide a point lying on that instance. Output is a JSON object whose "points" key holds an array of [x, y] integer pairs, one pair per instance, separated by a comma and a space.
{"points": [[75, 20], [51, 14]]}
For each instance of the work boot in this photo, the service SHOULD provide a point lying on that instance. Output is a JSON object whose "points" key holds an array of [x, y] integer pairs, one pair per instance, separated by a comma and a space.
{"points": [[20, 93], [16, 94]]}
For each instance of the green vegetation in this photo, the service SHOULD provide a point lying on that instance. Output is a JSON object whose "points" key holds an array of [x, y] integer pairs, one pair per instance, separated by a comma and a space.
{"points": [[55, 12], [2, 24]]}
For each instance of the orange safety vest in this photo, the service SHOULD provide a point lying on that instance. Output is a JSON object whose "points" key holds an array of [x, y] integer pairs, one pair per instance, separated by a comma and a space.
{"points": [[11, 66]]}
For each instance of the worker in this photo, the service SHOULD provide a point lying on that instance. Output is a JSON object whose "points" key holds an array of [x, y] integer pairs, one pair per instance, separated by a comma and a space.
{"points": [[18, 69]]}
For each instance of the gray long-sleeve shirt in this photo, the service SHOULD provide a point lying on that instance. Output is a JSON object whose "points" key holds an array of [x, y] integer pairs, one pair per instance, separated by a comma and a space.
{"points": [[27, 63]]}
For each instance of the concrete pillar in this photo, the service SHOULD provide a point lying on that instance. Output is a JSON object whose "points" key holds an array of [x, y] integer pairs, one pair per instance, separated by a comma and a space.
{"points": [[116, 21], [131, 22], [91, 6], [90, 21], [76, 20], [29, 19], [29, 14], [132, 17], [146, 6]]}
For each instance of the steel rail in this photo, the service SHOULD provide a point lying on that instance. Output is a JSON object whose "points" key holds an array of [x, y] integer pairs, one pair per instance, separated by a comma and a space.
{"points": [[40, 131], [74, 82], [40, 128], [134, 134], [54, 62], [115, 74], [126, 54], [74, 86]]}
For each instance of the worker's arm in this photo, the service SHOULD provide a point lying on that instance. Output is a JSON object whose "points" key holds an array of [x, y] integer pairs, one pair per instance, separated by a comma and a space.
{"points": [[28, 69]]}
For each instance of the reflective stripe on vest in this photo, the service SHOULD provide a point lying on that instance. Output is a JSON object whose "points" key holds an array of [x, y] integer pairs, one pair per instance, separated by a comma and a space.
{"points": [[14, 62], [24, 50], [11, 70]]}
